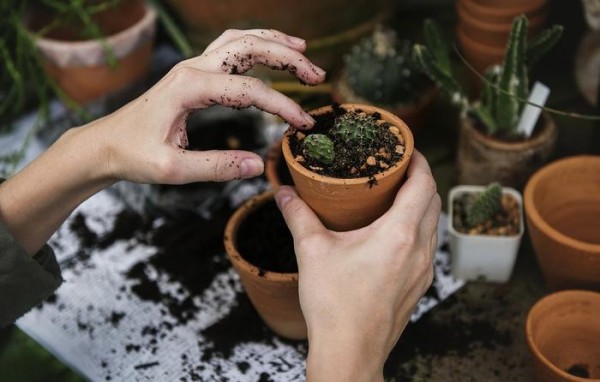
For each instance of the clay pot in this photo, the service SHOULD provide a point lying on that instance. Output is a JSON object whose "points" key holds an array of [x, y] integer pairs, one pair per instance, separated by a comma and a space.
{"points": [[413, 115], [273, 295], [563, 334], [483, 159], [347, 204], [276, 170], [478, 55], [483, 257], [562, 206], [80, 66], [327, 37]]}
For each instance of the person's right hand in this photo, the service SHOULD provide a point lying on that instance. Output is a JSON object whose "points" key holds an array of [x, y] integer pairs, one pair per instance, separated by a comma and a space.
{"points": [[359, 288]]}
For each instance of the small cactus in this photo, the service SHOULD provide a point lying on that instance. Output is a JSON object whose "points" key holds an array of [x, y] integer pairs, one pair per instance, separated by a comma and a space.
{"points": [[318, 147], [487, 204], [356, 128], [380, 69]]}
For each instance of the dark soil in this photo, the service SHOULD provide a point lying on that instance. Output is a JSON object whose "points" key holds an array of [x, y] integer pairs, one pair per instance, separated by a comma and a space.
{"points": [[504, 223], [350, 162], [265, 241], [579, 370]]}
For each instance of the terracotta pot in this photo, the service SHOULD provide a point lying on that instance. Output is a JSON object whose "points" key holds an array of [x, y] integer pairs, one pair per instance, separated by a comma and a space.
{"points": [[482, 159], [478, 55], [274, 295], [483, 257], [562, 206], [491, 25], [347, 204], [413, 115], [276, 170], [327, 37], [563, 334], [80, 67]]}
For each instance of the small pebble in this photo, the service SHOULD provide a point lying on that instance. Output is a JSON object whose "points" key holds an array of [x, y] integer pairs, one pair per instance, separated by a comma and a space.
{"points": [[371, 161]]}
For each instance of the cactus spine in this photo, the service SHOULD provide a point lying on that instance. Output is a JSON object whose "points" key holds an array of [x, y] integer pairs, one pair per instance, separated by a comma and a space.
{"points": [[505, 87], [356, 129], [486, 205]]}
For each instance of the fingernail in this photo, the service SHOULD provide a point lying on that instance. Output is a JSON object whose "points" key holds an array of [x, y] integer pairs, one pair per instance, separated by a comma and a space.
{"points": [[283, 196], [296, 40], [309, 119], [251, 167], [318, 71]]}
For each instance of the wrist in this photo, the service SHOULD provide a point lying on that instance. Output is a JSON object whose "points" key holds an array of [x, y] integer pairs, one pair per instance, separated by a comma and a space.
{"points": [[344, 357]]}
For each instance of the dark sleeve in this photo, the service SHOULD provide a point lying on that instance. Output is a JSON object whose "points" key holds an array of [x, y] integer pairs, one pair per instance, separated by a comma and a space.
{"points": [[25, 281]]}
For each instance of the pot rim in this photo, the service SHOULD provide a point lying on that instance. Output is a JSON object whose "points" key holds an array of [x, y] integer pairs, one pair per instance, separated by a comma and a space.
{"points": [[532, 10], [528, 330], [230, 240], [124, 42], [548, 130], [386, 116], [476, 188], [465, 39], [533, 214]]}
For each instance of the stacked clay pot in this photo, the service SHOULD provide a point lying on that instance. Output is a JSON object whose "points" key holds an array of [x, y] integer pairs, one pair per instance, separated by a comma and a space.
{"points": [[484, 26]]}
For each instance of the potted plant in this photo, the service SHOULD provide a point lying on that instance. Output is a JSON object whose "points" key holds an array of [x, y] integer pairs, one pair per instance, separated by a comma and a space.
{"points": [[350, 165], [562, 205], [563, 336], [379, 71], [485, 226], [261, 249], [90, 48], [490, 147]]}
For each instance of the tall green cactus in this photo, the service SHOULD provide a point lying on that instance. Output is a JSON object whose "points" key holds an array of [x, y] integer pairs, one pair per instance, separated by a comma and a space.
{"points": [[506, 86]]}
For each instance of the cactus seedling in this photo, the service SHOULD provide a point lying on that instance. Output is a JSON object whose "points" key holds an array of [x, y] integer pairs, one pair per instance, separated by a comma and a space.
{"points": [[380, 69], [319, 147], [487, 204], [506, 86]]}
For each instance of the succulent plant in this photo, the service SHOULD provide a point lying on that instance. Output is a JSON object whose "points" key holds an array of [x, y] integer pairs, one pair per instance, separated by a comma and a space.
{"points": [[356, 128], [506, 86], [486, 204], [380, 69], [318, 147]]}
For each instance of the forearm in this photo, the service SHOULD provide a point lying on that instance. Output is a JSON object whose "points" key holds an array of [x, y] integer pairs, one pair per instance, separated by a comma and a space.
{"points": [[37, 200]]}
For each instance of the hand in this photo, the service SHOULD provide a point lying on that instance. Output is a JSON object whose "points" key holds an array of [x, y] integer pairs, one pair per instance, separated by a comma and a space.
{"points": [[359, 288], [147, 138], [145, 141]]}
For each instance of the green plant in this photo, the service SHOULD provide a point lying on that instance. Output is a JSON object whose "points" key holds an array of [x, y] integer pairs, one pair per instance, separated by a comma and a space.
{"points": [[319, 147], [380, 69], [485, 205], [506, 86], [351, 129]]}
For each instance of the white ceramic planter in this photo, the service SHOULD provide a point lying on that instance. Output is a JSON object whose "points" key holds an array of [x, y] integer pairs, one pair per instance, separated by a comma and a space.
{"points": [[483, 257]]}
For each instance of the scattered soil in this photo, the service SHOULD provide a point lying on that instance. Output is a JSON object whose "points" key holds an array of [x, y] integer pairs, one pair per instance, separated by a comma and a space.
{"points": [[504, 223], [265, 241], [350, 161]]}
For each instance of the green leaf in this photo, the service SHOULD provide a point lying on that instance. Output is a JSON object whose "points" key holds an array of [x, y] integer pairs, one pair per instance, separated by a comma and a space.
{"points": [[437, 45], [543, 42]]}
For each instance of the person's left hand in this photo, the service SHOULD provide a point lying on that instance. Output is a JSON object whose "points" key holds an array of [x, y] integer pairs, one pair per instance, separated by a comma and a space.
{"points": [[147, 138]]}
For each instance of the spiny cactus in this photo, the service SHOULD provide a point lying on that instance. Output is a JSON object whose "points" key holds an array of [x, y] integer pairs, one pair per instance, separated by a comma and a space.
{"points": [[506, 85], [380, 69], [356, 128], [318, 147], [487, 204]]}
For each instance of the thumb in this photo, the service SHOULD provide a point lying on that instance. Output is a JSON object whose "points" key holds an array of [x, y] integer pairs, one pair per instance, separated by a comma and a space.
{"points": [[300, 219]]}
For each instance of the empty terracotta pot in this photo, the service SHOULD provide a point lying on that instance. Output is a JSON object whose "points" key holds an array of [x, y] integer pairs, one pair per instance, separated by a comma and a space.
{"points": [[562, 209], [563, 335], [274, 295], [347, 204], [276, 170]]}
